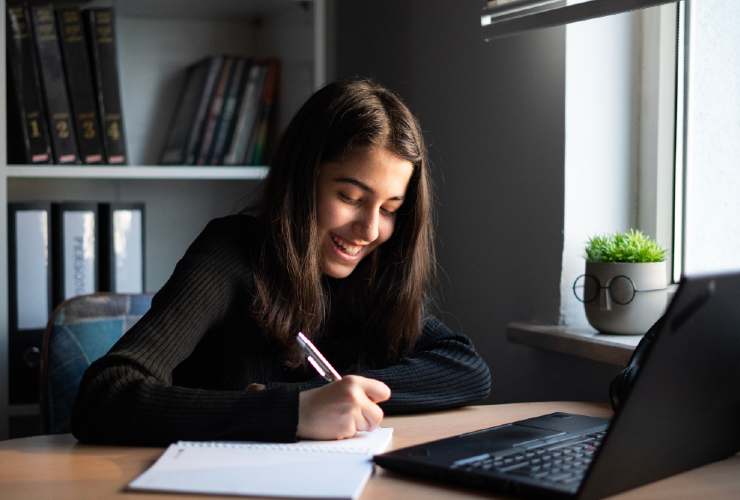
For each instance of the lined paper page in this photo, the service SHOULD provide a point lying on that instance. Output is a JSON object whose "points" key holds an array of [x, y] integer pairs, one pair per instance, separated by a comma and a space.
{"points": [[309, 469]]}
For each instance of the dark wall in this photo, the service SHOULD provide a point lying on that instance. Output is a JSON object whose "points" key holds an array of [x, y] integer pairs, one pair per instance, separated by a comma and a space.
{"points": [[493, 117]]}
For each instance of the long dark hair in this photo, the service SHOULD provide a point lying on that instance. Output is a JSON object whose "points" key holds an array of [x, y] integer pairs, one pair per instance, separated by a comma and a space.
{"points": [[389, 287]]}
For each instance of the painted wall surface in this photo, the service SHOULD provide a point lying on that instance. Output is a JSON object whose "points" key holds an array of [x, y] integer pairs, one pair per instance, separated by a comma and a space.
{"points": [[713, 138], [494, 117]]}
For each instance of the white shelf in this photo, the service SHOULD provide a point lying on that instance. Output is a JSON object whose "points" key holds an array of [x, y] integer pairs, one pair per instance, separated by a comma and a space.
{"points": [[156, 40], [137, 172]]}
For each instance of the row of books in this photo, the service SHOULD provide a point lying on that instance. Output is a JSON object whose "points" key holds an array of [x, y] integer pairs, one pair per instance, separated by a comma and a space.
{"points": [[225, 113], [64, 97], [58, 251]]}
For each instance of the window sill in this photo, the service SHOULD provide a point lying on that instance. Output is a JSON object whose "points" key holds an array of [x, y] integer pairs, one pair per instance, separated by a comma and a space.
{"points": [[580, 342]]}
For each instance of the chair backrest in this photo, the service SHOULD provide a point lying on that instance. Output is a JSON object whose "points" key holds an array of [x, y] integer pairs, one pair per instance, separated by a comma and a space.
{"points": [[81, 330]]}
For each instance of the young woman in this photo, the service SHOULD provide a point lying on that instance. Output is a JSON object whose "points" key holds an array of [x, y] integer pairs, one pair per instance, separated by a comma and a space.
{"points": [[341, 248]]}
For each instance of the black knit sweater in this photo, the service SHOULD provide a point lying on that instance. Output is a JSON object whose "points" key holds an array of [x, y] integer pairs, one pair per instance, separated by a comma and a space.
{"points": [[182, 370]]}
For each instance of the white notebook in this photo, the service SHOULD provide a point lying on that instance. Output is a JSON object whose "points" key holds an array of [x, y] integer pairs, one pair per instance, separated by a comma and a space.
{"points": [[307, 469]]}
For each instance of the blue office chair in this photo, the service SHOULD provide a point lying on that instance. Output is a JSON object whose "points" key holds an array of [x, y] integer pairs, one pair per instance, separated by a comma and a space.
{"points": [[81, 330]]}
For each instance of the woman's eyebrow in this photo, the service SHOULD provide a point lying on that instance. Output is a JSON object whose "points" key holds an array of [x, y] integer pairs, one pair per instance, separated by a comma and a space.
{"points": [[363, 186]]}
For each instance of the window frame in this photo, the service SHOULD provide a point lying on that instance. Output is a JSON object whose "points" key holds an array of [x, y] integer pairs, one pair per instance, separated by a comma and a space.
{"points": [[660, 186]]}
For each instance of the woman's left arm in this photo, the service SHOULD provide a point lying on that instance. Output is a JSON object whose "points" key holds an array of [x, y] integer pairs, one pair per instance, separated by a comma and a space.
{"points": [[442, 371]]}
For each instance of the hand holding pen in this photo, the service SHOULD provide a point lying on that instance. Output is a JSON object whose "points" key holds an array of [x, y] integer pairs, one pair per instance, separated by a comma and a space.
{"points": [[341, 408]]}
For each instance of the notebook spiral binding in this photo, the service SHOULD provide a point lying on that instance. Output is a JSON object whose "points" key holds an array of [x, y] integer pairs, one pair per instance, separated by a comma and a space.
{"points": [[287, 447]]}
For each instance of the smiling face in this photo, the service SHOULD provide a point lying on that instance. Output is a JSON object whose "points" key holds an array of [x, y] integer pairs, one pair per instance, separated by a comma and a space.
{"points": [[358, 198]]}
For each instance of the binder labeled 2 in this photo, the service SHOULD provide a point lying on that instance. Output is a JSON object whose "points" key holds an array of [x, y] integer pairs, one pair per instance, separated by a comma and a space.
{"points": [[30, 295], [122, 247], [75, 236]]}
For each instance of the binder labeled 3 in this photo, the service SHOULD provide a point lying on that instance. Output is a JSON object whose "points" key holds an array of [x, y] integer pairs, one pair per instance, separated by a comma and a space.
{"points": [[30, 294], [122, 247], [75, 249]]}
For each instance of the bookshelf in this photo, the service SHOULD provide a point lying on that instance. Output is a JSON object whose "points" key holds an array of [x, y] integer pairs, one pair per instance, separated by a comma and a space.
{"points": [[156, 39], [135, 172]]}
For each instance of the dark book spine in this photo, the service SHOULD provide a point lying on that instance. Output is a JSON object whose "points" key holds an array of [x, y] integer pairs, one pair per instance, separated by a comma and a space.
{"points": [[214, 111], [246, 116], [63, 140], [175, 150], [267, 110], [102, 44], [80, 84], [196, 130], [225, 126], [28, 135]]}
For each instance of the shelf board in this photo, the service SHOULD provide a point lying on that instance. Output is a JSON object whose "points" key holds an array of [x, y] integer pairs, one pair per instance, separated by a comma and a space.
{"points": [[24, 410], [582, 342], [136, 172]]}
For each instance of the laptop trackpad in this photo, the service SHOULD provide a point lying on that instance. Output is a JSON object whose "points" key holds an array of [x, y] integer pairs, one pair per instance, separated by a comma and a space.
{"points": [[447, 451], [501, 438]]}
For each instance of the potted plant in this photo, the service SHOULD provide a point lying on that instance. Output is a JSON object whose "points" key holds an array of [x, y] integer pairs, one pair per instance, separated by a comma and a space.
{"points": [[625, 286]]}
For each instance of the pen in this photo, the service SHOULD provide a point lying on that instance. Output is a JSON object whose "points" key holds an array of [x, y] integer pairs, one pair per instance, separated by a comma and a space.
{"points": [[317, 360]]}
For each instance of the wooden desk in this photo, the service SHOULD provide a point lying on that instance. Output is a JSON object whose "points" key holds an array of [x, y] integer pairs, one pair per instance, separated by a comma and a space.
{"points": [[56, 467]]}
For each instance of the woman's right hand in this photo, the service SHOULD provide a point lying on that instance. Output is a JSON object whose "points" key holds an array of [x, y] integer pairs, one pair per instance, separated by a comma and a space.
{"points": [[340, 409]]}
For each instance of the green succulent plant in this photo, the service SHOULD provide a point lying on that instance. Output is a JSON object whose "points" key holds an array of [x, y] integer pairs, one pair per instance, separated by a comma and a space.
{"points": [[630, 246]]}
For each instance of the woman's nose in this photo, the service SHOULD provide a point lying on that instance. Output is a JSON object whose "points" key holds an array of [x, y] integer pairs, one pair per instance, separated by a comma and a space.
{"points": [[367, 225]]}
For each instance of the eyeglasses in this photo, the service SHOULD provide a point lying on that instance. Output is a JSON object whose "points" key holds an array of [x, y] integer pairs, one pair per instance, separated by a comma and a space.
{"points": [[621, 289]]}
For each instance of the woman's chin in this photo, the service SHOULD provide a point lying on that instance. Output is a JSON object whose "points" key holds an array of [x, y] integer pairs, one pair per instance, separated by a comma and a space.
{"points": [[336, 270]]}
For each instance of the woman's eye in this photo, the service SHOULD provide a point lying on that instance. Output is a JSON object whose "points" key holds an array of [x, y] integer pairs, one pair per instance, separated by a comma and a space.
{"points": [[387, 211], [348, 199]]}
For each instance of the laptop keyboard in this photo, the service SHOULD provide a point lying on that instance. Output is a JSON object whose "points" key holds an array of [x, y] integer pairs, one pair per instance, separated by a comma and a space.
{"points": [[562, 463]]}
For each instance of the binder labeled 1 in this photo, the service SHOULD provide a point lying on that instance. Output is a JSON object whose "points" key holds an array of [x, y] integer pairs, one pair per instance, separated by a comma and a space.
{"points": [[122, 247], [75, 249], [30, 295]]}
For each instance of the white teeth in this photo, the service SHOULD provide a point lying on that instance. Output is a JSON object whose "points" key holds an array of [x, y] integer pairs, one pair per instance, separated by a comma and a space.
{"points": [[347, 248]]}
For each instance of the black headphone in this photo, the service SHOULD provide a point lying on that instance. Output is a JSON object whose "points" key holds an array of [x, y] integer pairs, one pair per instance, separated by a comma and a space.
{"points": [[622, 383]]}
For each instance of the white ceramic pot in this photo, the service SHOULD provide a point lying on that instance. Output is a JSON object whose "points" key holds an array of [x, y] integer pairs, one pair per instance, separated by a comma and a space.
{"points": [[613, 308]]}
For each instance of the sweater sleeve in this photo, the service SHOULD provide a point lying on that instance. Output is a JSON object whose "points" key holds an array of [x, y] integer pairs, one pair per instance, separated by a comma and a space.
{"points": [[443, 371], [128, 396]]}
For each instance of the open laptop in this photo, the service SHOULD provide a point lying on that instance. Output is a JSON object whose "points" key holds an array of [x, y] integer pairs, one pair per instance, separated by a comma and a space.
{"points": [[682, 411]]}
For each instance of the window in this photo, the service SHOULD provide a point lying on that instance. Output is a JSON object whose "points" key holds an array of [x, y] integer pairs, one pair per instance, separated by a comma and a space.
{"points": [[620, 134]]}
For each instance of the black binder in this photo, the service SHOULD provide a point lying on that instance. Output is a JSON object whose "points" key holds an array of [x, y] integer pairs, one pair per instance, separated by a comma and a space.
{"points": [[101, 37], [122, 247], [29, 234], [28, 134], [59, 112], [75, 249], [80, 84]]}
